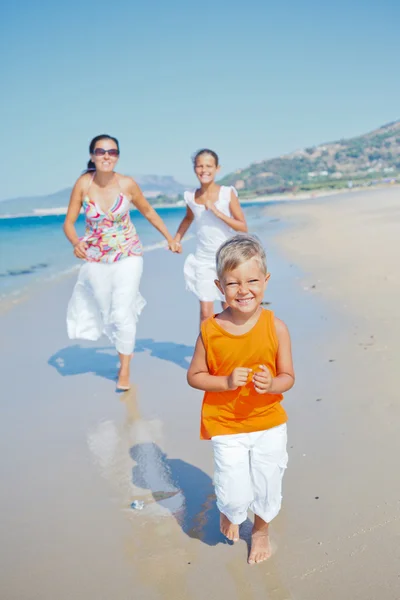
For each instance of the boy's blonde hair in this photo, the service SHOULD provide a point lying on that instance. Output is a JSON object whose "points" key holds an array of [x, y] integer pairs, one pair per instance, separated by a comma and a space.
{"points": [[238, 250]]}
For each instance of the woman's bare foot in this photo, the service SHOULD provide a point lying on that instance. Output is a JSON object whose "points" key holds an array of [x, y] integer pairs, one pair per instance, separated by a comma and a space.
{"points": [[123, 382], [260, 544], [228, 529]]}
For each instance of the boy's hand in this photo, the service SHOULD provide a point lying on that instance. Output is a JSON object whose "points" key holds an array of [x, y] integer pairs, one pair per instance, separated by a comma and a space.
{"points": [[263, 380], [238, 378]]}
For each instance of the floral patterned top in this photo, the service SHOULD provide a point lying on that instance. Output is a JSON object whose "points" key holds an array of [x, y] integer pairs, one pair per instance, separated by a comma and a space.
{"points": [[110, 236]]}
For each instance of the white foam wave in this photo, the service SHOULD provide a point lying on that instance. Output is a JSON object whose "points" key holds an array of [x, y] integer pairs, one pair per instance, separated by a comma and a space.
{"points": [[15, 294]]}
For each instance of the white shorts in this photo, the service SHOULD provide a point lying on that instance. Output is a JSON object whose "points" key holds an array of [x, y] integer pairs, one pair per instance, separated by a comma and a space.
{"points": [[249, 468], [200, 275]]}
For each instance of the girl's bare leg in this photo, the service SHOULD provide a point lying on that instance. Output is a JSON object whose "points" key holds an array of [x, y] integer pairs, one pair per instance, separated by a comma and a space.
{"points": [[123, 382], [206, 310]]}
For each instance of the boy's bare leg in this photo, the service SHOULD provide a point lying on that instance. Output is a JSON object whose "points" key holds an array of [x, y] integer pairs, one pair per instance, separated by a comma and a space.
{"points": [[228, 529], [260, 546]]}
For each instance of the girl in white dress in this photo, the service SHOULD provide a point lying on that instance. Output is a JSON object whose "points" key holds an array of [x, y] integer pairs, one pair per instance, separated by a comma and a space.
{"points": [[217, 214], [106, 297]]}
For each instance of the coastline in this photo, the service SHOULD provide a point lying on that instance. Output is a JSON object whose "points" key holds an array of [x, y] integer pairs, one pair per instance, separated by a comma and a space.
{"points": [[261, 200]]}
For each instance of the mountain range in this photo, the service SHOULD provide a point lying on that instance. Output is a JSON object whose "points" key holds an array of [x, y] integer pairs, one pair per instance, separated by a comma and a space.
{"points": [[152, 186], [362, 159]]}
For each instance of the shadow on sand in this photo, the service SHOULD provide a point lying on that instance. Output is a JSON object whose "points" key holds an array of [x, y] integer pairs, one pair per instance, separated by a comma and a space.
{"points": [[180, 488], [103, 361]]}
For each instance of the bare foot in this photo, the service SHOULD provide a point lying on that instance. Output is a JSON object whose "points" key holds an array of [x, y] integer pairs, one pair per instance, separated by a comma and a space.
{"points": [[123, 382], [228, 529], [260, 547]]}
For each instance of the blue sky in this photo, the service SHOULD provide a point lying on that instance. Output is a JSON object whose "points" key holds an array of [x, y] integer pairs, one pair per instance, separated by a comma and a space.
{"points": [[251, 80]]}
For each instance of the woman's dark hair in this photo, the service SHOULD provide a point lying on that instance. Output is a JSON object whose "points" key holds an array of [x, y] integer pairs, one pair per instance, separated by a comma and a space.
{"points": [[92, 146], [205, 151]]}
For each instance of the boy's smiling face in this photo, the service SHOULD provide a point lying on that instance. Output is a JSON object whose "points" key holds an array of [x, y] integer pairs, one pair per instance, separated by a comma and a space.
{"points": [[244, 287]]}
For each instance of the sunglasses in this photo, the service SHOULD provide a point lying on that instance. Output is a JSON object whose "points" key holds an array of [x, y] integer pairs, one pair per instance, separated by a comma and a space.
{"points": [[101, 152]]}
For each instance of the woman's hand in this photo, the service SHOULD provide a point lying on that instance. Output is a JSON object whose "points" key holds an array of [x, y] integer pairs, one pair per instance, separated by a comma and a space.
{"points": [[80, 249], [175, 246]]}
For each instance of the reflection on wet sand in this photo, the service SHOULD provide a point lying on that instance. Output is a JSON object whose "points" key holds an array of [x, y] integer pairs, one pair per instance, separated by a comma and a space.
{"points": [[131, 458], [179, 505]]}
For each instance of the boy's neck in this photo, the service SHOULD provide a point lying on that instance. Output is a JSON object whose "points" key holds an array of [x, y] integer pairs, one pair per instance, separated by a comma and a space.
{"points": [[239, 319]]}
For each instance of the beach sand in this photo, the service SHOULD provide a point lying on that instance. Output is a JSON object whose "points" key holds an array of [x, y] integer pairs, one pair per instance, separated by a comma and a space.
{"points": [[75, 454]]}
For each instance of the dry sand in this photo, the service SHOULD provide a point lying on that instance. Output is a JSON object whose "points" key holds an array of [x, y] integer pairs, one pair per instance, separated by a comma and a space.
{"points": [[348, 248], [75, 454]]}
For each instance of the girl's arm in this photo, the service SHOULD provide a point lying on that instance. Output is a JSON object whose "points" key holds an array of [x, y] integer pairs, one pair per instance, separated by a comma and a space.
{"points": [[185, 224], [74, 208], [284, 380], [199, 377], [237, 221], [140, 202]]}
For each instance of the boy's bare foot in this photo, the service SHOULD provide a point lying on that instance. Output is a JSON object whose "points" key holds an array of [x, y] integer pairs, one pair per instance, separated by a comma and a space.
{"points": [[228, 529], [260, 545], [260, 548]]}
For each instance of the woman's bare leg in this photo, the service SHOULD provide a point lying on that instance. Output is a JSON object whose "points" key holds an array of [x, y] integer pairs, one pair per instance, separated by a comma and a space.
{"points": [[123, 382]]}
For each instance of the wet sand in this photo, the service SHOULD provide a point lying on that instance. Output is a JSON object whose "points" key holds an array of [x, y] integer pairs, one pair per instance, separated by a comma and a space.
{"points": [[75, 454]]}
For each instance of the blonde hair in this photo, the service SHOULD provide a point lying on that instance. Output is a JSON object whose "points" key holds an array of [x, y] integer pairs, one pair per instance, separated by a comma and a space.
{"points": [[238, 250]]}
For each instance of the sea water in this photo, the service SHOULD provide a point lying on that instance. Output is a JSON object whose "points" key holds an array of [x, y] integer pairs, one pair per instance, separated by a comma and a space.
{"points": [[35, 249]]}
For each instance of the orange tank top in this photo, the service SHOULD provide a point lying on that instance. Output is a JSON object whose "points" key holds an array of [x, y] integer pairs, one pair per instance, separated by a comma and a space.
{"points": [[242, 410]]}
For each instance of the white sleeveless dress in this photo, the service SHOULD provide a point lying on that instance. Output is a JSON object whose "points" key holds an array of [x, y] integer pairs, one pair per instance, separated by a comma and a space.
{"points": [[200, 268]]}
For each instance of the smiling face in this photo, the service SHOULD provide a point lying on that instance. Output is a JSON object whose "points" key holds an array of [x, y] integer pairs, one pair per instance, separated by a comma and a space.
{"points": [[206, 168], [244, 286], [105, 163]]}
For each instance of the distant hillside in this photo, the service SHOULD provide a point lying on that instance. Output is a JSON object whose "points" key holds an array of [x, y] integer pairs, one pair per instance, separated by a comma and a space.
{"points": [[155, 187], [375, 155]]}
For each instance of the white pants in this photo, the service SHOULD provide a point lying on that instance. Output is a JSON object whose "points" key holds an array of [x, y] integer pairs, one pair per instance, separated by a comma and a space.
{"points": [[249, 468], [106, 299]]}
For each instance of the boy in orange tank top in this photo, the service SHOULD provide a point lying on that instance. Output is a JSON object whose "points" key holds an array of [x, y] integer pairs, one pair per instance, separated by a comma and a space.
{"points": [[243, 363]]}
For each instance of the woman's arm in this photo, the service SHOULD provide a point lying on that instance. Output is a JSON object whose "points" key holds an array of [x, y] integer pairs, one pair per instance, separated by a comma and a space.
{"points": [[74, 208], [143, 206], [237, 221], [185, 224]]}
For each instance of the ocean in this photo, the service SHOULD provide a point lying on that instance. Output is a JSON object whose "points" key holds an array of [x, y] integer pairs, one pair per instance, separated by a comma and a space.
{"points": [[34, 249]]}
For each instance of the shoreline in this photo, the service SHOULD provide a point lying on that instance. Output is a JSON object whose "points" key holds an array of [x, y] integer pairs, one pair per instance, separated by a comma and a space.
{"points": [[261, 200], [15, 297]]}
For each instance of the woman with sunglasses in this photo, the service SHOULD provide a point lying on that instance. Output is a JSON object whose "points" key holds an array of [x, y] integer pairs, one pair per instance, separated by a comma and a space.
{"points": [[106, 297]]}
